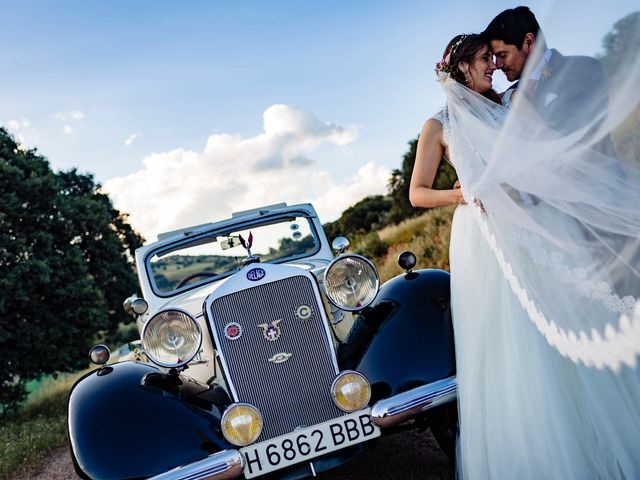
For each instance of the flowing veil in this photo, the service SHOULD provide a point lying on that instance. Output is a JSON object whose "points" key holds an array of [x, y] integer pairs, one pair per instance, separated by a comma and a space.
{"points": [[556, 192]]}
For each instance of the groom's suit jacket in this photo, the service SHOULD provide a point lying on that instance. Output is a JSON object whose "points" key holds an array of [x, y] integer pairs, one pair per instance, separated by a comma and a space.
{"points": [[571, 92]]}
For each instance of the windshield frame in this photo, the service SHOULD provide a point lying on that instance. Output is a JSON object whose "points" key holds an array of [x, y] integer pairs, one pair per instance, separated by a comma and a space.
{"points": [[219, 232]]}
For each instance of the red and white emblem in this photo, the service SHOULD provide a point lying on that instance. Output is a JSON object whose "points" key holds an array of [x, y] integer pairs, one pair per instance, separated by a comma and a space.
{"points": [[271, 331], [232, 331]]}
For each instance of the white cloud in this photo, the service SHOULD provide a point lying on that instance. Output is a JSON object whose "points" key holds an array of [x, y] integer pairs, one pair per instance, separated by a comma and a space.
{"points": [[18, 124], [68, 130], [69, 115], [181, 187], [130, 139], [22, 131]]}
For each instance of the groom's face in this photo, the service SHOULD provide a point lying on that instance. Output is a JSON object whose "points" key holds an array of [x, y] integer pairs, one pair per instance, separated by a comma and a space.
{"points": [[509, 59]]}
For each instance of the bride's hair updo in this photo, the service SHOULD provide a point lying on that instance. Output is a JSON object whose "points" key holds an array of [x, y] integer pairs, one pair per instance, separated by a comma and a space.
{"points": [[463, 49]]}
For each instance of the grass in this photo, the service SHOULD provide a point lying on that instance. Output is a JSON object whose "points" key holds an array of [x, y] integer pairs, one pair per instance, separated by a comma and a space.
{"points": [[427, 236], [30, 435]]}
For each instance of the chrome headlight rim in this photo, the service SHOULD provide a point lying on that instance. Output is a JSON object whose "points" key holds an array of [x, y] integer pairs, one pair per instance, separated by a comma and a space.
{"points": [[150, 321], [228, 411], [341, 258], [337, 379]]}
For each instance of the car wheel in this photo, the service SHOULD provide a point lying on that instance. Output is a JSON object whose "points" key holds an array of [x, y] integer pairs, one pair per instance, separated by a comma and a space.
{"points": [[443, 423]]}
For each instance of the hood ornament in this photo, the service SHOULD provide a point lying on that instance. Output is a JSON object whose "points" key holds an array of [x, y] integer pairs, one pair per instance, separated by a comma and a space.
{"points": [[247, 245]]}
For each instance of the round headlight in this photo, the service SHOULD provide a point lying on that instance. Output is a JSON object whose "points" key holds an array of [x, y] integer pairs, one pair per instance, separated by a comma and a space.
{"points": [[351, 391], [351, 282], [241, 424], [171, 338]]}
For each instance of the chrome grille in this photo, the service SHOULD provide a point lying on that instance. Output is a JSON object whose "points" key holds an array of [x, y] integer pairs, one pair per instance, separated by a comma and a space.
{"points": [[295, 392]]}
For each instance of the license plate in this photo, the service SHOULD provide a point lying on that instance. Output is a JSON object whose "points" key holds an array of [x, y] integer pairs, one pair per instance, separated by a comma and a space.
{"points": [[307, 443]]}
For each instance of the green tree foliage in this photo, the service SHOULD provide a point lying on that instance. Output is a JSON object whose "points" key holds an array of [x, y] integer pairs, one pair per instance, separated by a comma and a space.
{"points": [[367, 215], [620, 42], [65, 267], [401, 178], [617, 45]]}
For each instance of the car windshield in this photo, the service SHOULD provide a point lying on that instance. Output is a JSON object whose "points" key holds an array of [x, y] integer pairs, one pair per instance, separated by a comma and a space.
{"points": [[221, 253]]}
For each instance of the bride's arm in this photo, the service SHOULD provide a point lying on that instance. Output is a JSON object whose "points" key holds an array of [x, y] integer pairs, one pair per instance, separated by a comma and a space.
{"points": [[429, 152]]}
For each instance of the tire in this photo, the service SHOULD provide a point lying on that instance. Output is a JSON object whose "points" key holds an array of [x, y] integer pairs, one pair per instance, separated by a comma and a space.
{"points": [[443, 423]]}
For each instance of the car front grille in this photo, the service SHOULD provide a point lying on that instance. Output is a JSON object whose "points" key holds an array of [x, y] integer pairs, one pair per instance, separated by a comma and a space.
{"points": [[292, 393]]}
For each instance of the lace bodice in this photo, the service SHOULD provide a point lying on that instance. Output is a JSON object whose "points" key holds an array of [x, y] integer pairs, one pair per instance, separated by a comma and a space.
{"points": [[442, 116]]}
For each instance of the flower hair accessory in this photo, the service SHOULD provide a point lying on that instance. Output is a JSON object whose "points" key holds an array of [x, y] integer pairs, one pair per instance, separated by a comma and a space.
{"points": [[443, 67]]}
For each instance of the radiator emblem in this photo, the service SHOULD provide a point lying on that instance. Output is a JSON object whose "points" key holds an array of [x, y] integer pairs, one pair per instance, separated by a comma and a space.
{"points": [[256, 274], [303, 312], [271, 331], [280, 357], [232, 331]]}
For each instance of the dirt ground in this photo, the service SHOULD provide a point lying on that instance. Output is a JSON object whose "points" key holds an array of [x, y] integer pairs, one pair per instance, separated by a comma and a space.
{"points": [[408, 456]]}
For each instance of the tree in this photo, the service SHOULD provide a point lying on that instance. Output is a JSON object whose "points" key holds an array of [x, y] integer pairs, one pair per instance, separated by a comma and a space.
{"points": [[401, 178], [620, 42], [617, 45], [65, 267], [367, 215]]}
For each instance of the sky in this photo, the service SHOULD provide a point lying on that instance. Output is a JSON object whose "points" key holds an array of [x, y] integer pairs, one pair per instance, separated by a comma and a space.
{"points": [[185, 111]]}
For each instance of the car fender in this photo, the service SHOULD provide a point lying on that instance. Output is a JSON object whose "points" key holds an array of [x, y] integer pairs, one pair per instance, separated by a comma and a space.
{"points": [[404, 339], [125, 423]]}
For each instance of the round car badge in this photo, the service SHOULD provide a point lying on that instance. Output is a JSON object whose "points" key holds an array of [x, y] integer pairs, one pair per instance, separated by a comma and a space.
{"points": [[256, 274], [303, 312], [232, 331]]}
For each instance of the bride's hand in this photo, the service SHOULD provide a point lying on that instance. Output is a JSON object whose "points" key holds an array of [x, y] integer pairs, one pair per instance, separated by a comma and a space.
{"points": [[458, 194]]}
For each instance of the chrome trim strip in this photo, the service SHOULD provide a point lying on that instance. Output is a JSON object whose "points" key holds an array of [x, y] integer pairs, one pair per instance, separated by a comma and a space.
{"points": [[403, 406], [223, 465]]}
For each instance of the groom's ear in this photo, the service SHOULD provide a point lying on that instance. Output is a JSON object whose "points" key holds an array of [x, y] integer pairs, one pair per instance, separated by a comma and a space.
{"points": [[528, 43]]}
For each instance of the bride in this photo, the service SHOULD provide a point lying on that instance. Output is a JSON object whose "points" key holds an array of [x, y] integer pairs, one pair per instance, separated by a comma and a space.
{"points": [[545, 281]]}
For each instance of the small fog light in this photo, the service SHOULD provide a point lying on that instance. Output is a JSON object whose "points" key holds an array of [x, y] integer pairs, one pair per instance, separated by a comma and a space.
{"points": [[99, 354], [241, 424], [351, 391]]}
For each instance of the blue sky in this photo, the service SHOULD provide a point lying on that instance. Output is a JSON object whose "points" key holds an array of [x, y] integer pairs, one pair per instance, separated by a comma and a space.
{"points": [[188, 110]]}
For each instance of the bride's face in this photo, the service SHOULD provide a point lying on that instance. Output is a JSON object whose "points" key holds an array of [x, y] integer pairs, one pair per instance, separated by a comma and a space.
{"points": [[481, 70]]}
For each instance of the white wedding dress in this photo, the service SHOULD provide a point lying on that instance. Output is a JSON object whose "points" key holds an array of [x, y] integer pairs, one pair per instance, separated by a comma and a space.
{"points": [[525, 410]]}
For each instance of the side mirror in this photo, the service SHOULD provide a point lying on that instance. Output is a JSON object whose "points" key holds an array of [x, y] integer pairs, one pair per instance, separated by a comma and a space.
{"points": [[99, 355], [340, 244], [135, 305]]}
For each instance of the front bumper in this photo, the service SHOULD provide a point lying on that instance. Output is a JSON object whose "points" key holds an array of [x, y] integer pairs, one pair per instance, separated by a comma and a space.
{"points": [[385, 413], [405, 405], [221, 466]]}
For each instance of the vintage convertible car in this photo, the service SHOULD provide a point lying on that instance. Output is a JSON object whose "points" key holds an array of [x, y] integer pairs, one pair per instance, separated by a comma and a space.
{"points": [[264, 355]]}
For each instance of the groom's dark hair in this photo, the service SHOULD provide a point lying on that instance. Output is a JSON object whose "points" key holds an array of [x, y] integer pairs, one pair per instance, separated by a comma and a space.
{"points": [[511, 26]]}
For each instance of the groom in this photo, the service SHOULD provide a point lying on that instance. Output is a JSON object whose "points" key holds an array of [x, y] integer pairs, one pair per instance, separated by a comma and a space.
{"points": [[567, 91]]}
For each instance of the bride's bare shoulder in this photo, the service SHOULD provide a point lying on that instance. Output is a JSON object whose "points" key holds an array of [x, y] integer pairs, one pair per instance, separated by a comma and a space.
{"points": [[432, 126]]}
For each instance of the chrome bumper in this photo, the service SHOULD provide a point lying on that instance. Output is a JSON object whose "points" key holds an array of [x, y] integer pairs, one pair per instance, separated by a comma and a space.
{"points": [[385, 413], [221, 466], [403, 406]]}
